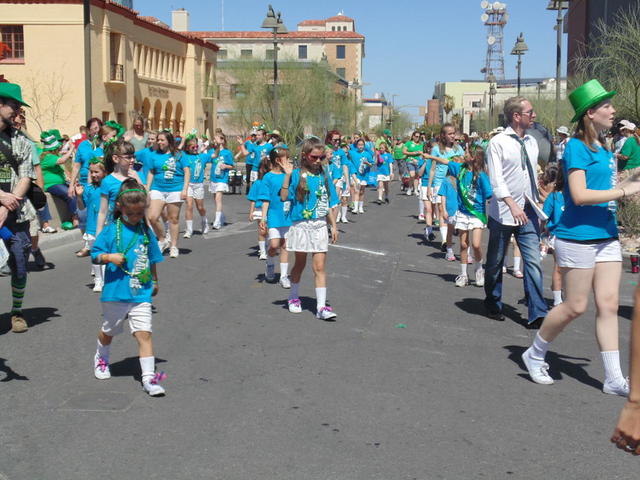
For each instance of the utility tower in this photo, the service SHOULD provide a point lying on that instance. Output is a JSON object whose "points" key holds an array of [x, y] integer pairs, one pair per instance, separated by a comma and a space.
{"points": [[495, 17]]}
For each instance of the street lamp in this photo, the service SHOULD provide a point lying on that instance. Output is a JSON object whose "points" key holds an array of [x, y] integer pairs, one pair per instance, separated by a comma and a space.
{"points": [[518, 49], [492, 93], [276, 25], [558, 5]]}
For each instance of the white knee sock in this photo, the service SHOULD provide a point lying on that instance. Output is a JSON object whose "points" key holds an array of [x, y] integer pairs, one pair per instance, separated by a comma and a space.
{"points": [[189, 225], [205, 220], [449, 251], [284, 270], [344, 212], [148, 367], [321, 296], [463, 269], [444, 229], [295, 287], [218, 219], [612, 370], [338, 215], [262, 246], [97, 272], [557, 297], [539, 347], [103, 351], [517, 263], [421, 207]]}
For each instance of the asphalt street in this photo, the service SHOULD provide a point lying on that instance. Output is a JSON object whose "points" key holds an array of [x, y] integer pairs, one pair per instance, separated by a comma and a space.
{"points": [[410, 382]]}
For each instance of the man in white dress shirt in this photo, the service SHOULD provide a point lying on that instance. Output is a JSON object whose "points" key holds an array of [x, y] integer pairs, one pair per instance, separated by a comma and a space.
{"points": [[512, 160]]}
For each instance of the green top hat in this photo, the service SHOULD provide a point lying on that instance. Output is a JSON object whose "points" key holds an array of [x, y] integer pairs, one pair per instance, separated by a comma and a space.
{"points": [[387, 132], [587, 96], [51, 140], [13, 91]]}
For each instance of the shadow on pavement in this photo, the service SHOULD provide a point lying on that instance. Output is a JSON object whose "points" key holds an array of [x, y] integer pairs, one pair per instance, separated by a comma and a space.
{"points": [[625, 311], [10, 374], [34, 316], [129, 367], [559, 365], [447, 277], [418, 236], [475, 306]]}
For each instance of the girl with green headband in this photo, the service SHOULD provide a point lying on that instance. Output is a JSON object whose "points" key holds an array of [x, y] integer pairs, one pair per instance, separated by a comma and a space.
{"points": [[129, 249]]}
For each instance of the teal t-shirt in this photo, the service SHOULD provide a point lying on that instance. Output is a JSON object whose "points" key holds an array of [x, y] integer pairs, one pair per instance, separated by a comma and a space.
{"points": [[449, 192], [588, 222], [384, 168], [318, 199], [553, 207], [278, 213], [168, 171], [217, 174], [478, 192]]}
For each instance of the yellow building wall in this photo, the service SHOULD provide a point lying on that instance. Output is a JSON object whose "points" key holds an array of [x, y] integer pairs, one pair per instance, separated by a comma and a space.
{"points": [[164, 77]]}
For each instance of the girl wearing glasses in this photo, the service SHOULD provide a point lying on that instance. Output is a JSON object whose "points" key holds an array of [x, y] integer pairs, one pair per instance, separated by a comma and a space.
{"points": [[413, 151], [312, 196]]}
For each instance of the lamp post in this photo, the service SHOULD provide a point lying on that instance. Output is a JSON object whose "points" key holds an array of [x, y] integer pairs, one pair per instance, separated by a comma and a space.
{"points": [[276, 25], [492, 93], [518, 49], [558, 5]]}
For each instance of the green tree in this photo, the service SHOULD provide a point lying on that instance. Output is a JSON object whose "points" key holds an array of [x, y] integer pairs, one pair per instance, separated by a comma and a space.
{"points": [[613, 59], [311, 98]]}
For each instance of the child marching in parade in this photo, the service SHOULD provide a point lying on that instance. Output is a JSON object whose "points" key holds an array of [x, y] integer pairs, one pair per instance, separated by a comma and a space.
{"points": [[255, 207], [312, 196], [130, 251], [385, 172], [474, 189], [195, 192], [222, 162]]}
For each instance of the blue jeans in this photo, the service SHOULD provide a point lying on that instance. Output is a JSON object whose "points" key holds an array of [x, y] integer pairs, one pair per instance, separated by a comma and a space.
{"points": [[62, 192], [528, 239]]}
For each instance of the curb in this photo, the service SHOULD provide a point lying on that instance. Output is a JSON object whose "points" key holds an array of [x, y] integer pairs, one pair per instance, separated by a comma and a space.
{"points": [[49, 241]]}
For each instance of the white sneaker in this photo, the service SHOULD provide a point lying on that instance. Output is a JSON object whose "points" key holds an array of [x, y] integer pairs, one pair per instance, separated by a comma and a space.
{"points": [[538, 369], [344, 220], [153, 389], [164, 245], [295, 306], [618, 387], [174, 252], [270, 273], [409, 192], [97, 286], [361, 210], [326, 313], [187, 234], [205, 228], [462, 281], [263, 256], [216, 226], [285, 282], [480, 277], [421, 217], [101, 368]]}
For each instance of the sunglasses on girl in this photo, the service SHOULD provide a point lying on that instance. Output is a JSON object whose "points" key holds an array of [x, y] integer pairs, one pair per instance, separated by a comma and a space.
{"points": [[317, 157]]}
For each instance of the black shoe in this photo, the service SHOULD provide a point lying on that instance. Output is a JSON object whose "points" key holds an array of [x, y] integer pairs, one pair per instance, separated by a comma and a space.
{"points": [[386, 200], [39, 258], [443, 247], [536, 324], [379, 202], [497, 316], [432, 237]]}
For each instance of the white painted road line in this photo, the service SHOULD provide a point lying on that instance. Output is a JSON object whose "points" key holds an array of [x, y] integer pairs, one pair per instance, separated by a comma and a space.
{"points": [[357, 249]]}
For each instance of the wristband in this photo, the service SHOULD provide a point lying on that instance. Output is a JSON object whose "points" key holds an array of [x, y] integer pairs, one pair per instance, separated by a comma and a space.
{"points": [[624, 194]]}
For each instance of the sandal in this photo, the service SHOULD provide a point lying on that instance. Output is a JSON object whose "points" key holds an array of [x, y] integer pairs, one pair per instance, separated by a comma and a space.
{"points": [[48, 229], [518, 274], [82, 253]]}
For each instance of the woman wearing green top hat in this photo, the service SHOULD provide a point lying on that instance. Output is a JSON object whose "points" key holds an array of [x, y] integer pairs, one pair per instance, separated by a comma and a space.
{"points": [[55, 178], [587, 248]]}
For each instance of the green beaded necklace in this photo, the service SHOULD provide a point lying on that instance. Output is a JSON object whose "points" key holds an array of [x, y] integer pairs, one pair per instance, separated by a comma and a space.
{"points": [[145, 275]]}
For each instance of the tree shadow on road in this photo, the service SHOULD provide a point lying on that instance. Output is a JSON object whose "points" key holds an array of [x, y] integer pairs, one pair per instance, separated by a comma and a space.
{"points": [[419, 237], [129, 367], [34, 316], [10, 374], [475, 306], [447, 277], [560, 365]]}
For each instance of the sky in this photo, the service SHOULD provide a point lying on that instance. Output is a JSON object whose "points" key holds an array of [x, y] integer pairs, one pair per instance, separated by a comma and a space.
{"points": [[409, 46]]}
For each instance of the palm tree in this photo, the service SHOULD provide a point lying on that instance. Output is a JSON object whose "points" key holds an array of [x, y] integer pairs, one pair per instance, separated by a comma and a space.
{"points": [[448, 104]]}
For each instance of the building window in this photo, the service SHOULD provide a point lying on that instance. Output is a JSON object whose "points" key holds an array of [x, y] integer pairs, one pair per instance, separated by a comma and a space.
{"points": [[105, 116], [222, 54], [236, 91], [11, 43], [340, 51], [333, 29], [302, 52], [341, 72], [269, 54], [477, 104], [246, 54]]}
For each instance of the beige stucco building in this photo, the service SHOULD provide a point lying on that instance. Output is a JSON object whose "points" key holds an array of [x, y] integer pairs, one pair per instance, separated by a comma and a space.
{"points": [[134, 66]]}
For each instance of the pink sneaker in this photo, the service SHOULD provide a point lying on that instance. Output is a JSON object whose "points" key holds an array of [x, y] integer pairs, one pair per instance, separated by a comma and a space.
{"points": [[295, 306]]}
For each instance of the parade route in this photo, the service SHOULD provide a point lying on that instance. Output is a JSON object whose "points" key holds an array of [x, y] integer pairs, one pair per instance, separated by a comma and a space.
{"points": [[411, 382]]}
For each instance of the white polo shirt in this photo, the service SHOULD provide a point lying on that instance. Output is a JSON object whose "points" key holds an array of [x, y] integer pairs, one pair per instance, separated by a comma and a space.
{"points": [[508, 178]]}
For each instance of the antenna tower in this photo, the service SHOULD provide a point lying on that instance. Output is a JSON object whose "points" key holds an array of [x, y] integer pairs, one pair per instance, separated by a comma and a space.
{"points": [[495, 17]]}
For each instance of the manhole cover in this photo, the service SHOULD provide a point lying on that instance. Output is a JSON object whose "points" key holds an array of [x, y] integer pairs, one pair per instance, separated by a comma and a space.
{"points": [[98, 402]]}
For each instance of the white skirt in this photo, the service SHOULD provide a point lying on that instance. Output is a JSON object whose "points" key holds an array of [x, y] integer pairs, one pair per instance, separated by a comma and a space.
{"points": [[310, 236]]}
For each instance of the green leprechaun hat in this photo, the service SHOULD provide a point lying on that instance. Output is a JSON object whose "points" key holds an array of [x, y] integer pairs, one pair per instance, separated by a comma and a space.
{"points": [[51, 140], [587, 96], [12, 91]]}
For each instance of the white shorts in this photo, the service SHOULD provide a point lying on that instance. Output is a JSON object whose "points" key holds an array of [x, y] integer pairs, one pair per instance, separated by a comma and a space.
{"points": [[310, 236], [467, 222], [435, 198], [451, 220], [115, 313], [216, 187], [423, 194], [89, 240], [362, 183], [257, 214], [342, 190], [253, 176], [166, 197], [34, 227], [584, 255], [278, 232], [383, 178], [196, 191]]}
